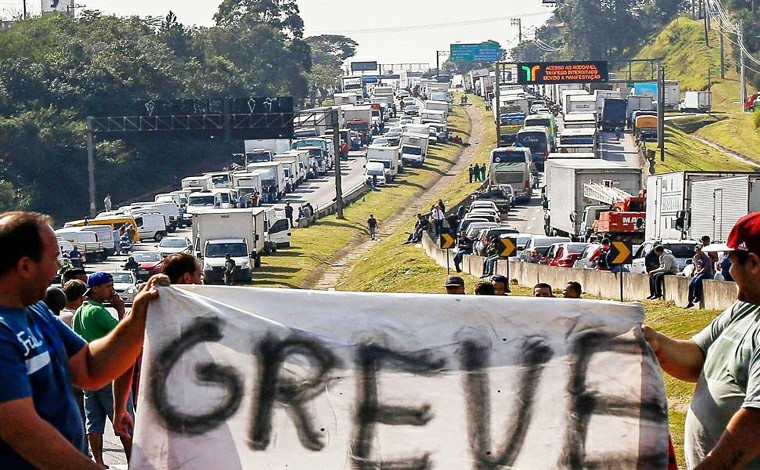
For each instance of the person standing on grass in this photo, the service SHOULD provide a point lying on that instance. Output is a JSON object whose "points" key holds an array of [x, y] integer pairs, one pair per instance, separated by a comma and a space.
{"points": [[476, 172], [372, 226], [471, 172], [483, 172], [723, 422]]}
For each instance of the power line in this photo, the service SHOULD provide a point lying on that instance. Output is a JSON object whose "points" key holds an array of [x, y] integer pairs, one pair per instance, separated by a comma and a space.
{"points": [[396, 29]]}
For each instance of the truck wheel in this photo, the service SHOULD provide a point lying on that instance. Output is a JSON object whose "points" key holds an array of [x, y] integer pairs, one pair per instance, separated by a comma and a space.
{"points": [[172, 228], [159, 236]]}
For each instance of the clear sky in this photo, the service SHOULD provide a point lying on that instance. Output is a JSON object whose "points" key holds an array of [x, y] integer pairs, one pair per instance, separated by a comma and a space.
{"points": [[390, 31]]}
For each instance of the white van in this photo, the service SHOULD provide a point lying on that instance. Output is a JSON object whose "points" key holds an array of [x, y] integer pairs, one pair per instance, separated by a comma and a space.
{"points": [[278, 230], [86, 242], [169, 210], [375, 171], [151, 226]]}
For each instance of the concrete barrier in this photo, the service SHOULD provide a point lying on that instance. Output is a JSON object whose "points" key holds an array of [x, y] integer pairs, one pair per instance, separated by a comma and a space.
{"points": [[718, 295]]}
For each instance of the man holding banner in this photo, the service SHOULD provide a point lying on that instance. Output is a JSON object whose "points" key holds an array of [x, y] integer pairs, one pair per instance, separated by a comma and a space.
{"points": [[40, 357], [723, 422]]}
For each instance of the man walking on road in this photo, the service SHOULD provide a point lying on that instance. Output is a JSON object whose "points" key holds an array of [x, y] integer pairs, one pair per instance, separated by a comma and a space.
{"points": [[372, 226], [723, 422], [42, 357]]}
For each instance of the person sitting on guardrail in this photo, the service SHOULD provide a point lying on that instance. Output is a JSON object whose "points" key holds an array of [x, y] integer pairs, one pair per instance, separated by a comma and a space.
{"points": [[464, 247], [420, 226], [668, 267], [703, 269], [492, 255]]}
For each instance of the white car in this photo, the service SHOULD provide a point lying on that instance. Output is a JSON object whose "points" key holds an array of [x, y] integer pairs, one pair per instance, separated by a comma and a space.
{"points": [[125, 285], [486, 212], [170, 245], [480, 203]]}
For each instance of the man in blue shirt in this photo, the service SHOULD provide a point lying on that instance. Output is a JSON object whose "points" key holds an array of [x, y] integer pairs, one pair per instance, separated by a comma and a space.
{"points": [[40, 357]]}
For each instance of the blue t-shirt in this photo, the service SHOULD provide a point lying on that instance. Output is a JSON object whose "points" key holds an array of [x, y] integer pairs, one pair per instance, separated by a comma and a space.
{"points": [[34, 351]]}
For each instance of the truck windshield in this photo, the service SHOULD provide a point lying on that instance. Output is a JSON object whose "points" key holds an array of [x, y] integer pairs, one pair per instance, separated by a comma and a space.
{"points": [[576, 140], [373, 171], [543, 122], [220, 179], [225, 197], [201, 200], [219, 250], [386, 163], [257, 157], [535, 141], [508, 157], [316, 153], [409, 150]]}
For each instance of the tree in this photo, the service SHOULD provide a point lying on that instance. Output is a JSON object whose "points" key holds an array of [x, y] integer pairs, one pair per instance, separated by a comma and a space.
{"points": [[282, 15], [328, 53]]}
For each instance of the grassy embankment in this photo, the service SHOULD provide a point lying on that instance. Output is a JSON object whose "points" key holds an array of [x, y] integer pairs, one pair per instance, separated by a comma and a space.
{"points": [[314, 247], [687, 58]]}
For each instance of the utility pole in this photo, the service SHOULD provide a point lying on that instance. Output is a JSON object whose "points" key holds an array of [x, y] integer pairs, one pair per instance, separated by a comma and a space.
{"points": [[743, 84], [722, 50], [517, 22], [707, 22], [497, 105], [336, 145], [24, 9], [661, 110], [438, 61], [91, 164]]}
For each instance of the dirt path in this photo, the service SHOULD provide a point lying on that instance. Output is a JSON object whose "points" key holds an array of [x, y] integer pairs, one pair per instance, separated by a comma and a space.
{"points": [[331, 276]]}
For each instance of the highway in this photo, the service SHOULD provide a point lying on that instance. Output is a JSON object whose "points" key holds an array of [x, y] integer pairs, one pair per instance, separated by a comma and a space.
{"points": [[529, 218]]}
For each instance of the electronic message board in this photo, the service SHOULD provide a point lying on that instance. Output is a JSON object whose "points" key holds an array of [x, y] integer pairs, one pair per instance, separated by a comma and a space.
{"points": [[532, 73]]}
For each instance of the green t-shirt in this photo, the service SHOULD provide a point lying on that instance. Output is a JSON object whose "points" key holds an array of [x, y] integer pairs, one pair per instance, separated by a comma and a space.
{"points": [[92, 321], [730, 378]]}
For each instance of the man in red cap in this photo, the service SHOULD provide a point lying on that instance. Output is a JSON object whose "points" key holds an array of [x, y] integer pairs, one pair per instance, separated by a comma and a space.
{"points": [[723, 422]]}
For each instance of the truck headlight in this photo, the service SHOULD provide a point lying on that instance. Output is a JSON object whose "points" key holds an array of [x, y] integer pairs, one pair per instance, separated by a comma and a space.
{"points": [[131, 290], [244, 264], [207, 267]]}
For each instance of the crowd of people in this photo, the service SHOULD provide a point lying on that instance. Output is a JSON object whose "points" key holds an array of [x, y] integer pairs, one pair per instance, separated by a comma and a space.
{"points": [[68, 365]]}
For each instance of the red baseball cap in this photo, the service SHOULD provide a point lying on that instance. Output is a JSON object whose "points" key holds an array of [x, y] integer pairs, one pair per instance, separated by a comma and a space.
{"points": [[745, 236]]}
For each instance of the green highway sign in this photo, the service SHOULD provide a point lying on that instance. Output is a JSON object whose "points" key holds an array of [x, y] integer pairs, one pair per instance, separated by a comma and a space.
{"points": [[485, 52]]}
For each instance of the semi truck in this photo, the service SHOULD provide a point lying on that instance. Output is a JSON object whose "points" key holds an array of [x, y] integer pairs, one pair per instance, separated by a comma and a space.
{"points": [[672, 92], [637, 103], [564, 201], [237, 232], [669, 199]]}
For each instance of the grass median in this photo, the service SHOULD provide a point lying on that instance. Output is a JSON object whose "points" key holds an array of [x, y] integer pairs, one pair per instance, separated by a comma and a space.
{"points": [[314, 247]]}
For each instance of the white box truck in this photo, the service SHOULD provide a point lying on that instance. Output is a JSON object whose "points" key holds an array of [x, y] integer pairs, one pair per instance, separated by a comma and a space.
{"points": [[581, 104], [196, 183], [413, 149], [274, 145], [273, 174], [565, 98], [438, 106], [237, 232], [696, 102], [564, 204], [432, 116], [246, 182], [294, 174], [717, 204], [388, 156], [669, 198]]}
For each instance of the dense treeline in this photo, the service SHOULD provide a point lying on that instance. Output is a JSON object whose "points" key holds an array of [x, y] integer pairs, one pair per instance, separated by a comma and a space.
{"points": [[615, 29], [55, 70]]}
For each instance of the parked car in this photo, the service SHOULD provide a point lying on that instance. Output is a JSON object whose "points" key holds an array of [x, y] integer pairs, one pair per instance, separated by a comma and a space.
{"points": [[479, 203], [584, 260], [171, 245], [125, 285], [474, 228], [682, 250], [501, 195], [411, 110], [150, 263], [487, 235], [380, 142], [537, 247], [564, 255], [465, 223]]}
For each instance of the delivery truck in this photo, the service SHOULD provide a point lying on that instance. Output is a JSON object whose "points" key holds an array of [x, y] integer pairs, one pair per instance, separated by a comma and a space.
{"points": [[696, 102], [669, 198], [718, 203], [388, 156], [564, 202], [239, 233]]}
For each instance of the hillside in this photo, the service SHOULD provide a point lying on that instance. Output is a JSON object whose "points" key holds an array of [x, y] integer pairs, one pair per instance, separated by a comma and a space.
{"points": [[688, 59]]}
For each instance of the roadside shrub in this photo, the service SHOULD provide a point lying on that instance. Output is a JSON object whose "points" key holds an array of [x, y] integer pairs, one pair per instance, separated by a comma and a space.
{"points": [[756, 117]]}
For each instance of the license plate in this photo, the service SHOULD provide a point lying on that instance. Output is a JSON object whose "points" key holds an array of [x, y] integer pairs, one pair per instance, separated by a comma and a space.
{"points": [[143, 271]]}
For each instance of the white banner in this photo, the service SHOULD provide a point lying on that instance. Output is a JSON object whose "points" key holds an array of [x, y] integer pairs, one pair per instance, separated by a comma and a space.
{"points": [[62, 6], [240, 378]]}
